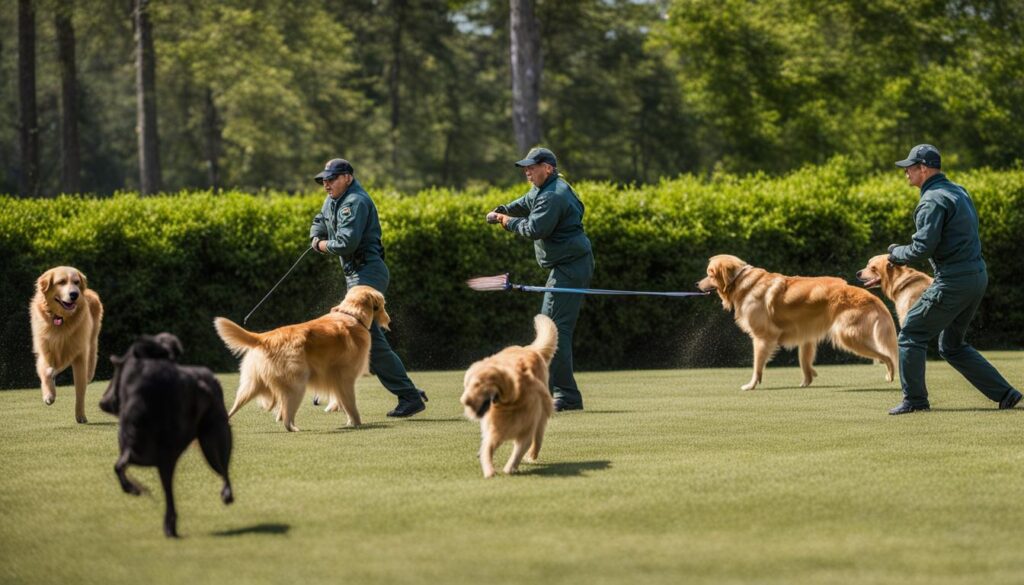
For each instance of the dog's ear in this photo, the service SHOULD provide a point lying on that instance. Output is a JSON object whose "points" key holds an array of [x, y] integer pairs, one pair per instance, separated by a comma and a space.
{"points": [[45, 281], [504, 382], [84, 281], [379, 314], [111, 402], [171, 343]]}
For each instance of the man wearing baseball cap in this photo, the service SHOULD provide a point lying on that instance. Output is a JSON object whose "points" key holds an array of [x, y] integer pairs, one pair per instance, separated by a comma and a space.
{"points": [[947, 235], [348, 227], [551, 214]]}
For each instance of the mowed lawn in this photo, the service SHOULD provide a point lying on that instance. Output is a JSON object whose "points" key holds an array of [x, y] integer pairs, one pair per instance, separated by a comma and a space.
{"points": [[667, 477]]}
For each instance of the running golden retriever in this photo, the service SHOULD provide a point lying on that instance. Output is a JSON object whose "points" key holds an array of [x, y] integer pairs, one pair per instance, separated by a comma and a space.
{"points": [[900, 284], [66, 316], [327, 354], [508, 393], [797, 311]]}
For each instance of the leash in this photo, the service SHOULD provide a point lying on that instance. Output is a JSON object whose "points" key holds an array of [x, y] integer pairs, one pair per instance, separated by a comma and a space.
{"points": [[501, 283], [308, 248]]}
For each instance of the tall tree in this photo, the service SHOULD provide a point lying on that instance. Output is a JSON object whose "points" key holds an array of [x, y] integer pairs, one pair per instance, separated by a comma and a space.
{"points": [[527, 65], [28, 184], [212, 138], [394, 78], [71, 165], [145, 91]]}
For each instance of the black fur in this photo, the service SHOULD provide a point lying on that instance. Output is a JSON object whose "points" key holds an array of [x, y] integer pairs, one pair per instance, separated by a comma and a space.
{"points": [[162, 407]]}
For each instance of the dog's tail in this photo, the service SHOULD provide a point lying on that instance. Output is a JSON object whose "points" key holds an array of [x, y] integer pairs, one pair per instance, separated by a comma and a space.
{"points": [[235, 337], [547, 337]]}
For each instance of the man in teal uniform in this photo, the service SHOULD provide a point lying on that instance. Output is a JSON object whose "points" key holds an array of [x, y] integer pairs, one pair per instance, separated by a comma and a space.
{"points": [[348, 227], [947, 235], [551, 214]]}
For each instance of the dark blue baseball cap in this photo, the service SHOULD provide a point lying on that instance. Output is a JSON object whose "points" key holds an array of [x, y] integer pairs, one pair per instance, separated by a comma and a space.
{"points": [[333, 168], [538, 155], [924, 154]]}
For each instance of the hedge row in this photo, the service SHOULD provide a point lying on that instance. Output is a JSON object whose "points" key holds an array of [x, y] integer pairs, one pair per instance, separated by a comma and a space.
{"points": [[174, 262]]}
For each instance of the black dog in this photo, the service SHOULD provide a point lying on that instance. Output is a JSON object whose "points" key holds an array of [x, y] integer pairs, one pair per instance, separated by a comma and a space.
{"points": [[162, 407]]}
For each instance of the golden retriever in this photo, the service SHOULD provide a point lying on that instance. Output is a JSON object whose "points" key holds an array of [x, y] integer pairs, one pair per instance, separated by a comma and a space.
{"points": [[508, 393], [66, 316], [798, 311], [900, 284], [327, 354]]}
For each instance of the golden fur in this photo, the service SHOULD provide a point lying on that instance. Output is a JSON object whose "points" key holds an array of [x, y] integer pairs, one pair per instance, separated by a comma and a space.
{"points": [[508, 393], [797, 311], [328, 354], [900, 284], [66, 316]]}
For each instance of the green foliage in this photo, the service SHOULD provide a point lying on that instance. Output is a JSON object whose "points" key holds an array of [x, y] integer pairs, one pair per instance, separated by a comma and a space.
{"points": [[258, 94], [174, 262]]}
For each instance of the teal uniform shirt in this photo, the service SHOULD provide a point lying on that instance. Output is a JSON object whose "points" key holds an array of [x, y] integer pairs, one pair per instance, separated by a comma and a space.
{"points": [[351, 228], [947, 230], [552, 216]]}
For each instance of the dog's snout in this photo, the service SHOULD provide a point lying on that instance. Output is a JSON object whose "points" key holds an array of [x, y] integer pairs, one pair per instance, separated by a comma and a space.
{"points": [[860, 274], [74, 295]]}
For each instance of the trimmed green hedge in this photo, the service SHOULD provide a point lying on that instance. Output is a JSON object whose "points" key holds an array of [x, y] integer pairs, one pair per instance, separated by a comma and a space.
{"points": [[174, 262]]}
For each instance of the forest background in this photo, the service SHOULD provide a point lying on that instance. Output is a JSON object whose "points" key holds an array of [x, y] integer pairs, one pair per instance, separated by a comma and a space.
{"points": [[256, 94]]}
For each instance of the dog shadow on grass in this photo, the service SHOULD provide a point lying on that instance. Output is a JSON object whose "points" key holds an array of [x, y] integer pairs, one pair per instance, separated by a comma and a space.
{"points": [[566, 469], [436, 420], [265, 528], [343, 429]]}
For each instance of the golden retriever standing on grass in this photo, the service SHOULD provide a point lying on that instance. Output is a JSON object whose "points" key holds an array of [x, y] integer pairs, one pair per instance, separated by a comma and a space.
{"points": [[900, 284], [798, 311], [66, 317], [508, 393], [327, 354]]}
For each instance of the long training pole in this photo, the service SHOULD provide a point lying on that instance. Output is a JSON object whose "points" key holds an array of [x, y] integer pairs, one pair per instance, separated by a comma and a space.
{"points": [[276, 285]]}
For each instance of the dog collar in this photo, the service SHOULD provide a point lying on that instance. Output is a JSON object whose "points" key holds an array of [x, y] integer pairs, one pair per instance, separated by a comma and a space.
{"points": [[354, 316], [738, 273]]}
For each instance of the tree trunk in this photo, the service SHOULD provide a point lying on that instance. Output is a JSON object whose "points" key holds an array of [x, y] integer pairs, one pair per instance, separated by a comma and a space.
{"points": [[145, 91], [212, 140], [394, 79], [71, 165], [527, 65], [28, 180]]}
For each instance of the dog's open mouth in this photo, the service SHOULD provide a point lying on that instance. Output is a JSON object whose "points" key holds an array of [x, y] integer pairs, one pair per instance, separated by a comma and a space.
{"points": [[871, 282], [484, 407], [67, 306]]}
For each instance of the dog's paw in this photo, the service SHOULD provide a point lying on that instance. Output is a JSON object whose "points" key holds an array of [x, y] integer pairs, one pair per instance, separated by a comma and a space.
{"points": [[226, 495], [81, 419], [291, 428], [316, 400], [48, 400], [488, 473], [748, 386]]}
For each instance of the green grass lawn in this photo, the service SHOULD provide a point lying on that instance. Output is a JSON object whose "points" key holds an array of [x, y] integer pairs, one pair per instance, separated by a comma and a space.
{"points": [[667, 477]]}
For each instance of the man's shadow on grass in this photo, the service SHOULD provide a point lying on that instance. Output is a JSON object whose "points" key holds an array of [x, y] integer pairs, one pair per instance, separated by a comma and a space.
{"points": [[265, 528], [892, 389], [566, 469]]}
